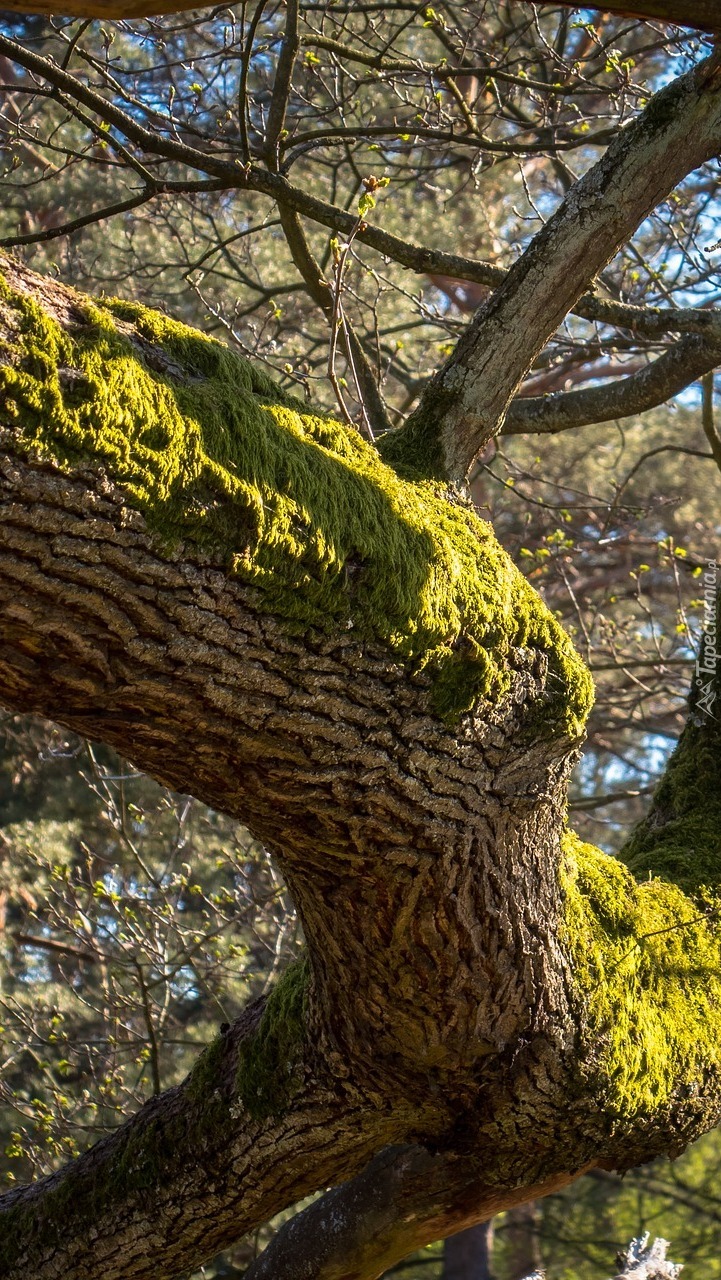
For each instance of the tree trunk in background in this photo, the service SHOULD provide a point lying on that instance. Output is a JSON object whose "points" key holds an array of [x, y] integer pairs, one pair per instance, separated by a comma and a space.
{"points": [[524, 1250], [468, 1256]]}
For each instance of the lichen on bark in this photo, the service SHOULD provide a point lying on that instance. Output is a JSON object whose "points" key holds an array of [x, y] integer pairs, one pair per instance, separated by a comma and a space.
{"points": [[214, 454]]}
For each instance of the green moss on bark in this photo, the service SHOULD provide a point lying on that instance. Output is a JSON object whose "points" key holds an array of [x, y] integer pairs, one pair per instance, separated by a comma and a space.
{"points": [[213, 453], [646, 965], [680, 838], [267, 1076], [415, 450], [270, 1061]]}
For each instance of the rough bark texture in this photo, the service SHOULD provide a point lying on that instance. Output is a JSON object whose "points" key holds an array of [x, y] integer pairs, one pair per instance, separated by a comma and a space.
{"points": [[196, 571], [131, 1207], [699, 14], [406, 1198]]}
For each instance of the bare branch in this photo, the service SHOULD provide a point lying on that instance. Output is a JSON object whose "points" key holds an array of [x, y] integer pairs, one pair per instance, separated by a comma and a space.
{"points": [[650, 322], [100, 215], [282, 85], [466, 401], [707, 418], [676, 369], [319, 290]]}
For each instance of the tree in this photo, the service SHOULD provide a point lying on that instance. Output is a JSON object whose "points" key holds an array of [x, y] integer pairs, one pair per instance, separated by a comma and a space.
{"points": [[315, 632]]}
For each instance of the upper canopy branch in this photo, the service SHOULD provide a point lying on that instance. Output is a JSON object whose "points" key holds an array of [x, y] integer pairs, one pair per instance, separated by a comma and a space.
{"points": [[650, 322], [699, 14], [688, 360], [466, 401]]}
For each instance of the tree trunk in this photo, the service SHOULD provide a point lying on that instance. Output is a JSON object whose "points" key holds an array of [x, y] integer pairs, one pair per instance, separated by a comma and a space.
{"points": [[524, 1250], [468, 1255]]}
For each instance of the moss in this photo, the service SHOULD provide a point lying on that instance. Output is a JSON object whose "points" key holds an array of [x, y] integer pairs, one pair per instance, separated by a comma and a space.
{"points": [[146, 1152], [139, 1162], [646, 951], [270, 1061], [213, 453], [646, 964], [680, 838], [202, 1082], [268, 1074], [415, 450]]}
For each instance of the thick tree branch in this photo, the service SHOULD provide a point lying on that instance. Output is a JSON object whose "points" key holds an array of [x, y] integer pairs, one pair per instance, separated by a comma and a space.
{"points": [[146, 599], [251, 606], [92, 1218], [676, 369], [701, 15], [406, 1198], [707, 417], [204, 688], [466, 401], [282, 84], [650, 322]]}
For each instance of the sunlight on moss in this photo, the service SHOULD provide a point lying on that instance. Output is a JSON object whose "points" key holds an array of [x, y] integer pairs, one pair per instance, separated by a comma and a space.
{"points": [[212, 452], [646, 961]]}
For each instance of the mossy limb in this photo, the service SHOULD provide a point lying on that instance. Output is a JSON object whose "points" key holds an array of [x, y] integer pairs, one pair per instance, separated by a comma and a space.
{"points": [[680, 838], [212, 452], [270, 1060], [646, 966]]}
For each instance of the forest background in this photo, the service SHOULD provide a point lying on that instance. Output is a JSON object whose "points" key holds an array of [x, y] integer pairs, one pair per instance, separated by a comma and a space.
{"points": [[134, 922]]}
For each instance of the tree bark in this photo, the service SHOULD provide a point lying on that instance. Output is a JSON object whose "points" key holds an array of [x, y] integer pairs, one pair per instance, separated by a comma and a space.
{"points": [[693, 357], [183, 1179], [406, 1198], [701, 15]]}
